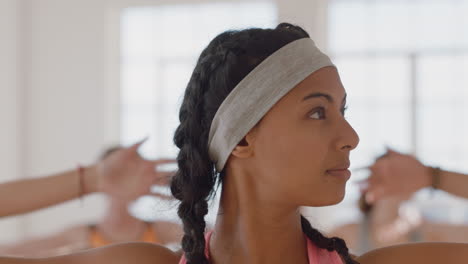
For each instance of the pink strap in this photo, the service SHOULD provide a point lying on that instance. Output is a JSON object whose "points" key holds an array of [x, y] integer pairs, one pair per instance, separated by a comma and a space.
{"points": [[321, 256]]}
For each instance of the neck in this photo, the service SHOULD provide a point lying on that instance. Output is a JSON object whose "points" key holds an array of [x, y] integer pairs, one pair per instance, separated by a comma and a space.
{"points": [[250, 228], [118, 225]]}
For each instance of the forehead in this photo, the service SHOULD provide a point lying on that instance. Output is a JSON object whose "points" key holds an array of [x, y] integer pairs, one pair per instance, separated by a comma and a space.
{"points": [[325, 80]]}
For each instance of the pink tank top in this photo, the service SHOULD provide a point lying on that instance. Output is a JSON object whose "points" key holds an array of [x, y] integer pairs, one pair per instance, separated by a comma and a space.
{"points": [[316, 255]]}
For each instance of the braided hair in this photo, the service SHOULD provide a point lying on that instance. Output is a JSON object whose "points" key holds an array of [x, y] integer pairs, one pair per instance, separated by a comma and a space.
{"points": [[227, 59]]}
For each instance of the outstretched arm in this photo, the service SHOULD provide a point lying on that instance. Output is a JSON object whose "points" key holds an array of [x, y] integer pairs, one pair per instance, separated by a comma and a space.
{"points": [[23, 196], [123, 174], [396, 174]]}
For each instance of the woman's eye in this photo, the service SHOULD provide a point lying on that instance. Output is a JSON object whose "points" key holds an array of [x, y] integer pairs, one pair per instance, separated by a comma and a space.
{"points": [[318, 114]]}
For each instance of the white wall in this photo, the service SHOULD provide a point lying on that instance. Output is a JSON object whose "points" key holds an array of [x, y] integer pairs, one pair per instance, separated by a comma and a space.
{"points": [[65, 92], [9, 87], [53, 99], [55, 92], [310, 14], [9, 107]]}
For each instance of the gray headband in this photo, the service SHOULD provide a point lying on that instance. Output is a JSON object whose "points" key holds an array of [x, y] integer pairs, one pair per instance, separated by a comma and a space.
{"points": [[256, 94]]}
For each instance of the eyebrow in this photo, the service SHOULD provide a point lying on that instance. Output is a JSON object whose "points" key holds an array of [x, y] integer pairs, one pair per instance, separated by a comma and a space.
{"points": [[326, 96]]}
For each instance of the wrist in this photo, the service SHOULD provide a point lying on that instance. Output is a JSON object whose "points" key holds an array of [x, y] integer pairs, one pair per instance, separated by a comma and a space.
{"points": [[89, 178], [431, 177], [435, 177]]}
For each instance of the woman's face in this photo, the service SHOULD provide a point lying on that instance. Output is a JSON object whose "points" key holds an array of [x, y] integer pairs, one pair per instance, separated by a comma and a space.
{"points": [[302, 145]]}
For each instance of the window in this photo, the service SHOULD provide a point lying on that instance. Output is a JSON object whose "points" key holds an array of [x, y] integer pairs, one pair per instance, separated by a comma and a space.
{"points": [[160, 46], [405, 66]]}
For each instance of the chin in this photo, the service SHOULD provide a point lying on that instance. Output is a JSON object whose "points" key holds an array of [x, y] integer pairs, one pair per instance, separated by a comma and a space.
{"points": [[339, 200], [340, 197], [326, 202]]}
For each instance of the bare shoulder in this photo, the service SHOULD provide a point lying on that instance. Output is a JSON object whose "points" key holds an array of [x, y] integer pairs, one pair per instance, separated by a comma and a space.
{"points": [[142, 253], [427, 253]]}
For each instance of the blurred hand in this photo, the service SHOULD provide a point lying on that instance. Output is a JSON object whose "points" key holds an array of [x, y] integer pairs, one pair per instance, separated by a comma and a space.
{"points": [[409, 219], [163, 196], [126, 175], [396, 174]]}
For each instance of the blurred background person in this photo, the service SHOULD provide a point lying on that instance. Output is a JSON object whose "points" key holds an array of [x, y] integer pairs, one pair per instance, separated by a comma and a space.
{"points": [[393, 218], [382, 224], [398, 173], [124, 174], [117, 225]]}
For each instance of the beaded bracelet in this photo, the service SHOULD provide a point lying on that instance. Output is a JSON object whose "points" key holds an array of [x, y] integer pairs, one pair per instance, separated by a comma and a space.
{"points": [[435, 177]]}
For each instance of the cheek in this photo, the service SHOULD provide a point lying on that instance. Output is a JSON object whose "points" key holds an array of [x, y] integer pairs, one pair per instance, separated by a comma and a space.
{"points": [[294, 153], [291, 163]]}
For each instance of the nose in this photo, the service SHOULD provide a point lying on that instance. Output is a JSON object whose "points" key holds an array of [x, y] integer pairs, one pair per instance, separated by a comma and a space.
{"points": [[348, 139]]}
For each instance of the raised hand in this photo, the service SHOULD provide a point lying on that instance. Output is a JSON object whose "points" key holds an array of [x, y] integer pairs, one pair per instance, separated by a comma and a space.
{"points": [[126, 175], [396, 174]]}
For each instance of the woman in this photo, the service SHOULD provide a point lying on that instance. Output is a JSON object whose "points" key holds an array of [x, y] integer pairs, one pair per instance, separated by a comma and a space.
{"points": [[387, 221], [116, 226], [277, 141]]}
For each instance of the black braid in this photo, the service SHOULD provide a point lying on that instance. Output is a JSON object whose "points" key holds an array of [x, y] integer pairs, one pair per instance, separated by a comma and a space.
{"points": [[331, 244], [194, 182], [221, 66]]}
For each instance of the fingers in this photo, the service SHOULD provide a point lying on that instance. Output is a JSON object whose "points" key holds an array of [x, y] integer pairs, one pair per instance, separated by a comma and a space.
{"points": [[375, 187], [395, 155], [163, 178], [162, 196], [391, 151], [131, 152], [374, 194], [163, 161], [137, 145], [163, 174], [363, 185], [165, 165]]}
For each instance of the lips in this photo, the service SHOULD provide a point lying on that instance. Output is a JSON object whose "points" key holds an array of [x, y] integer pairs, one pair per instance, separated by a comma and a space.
{"points": [[344, 173], [341, 171]]}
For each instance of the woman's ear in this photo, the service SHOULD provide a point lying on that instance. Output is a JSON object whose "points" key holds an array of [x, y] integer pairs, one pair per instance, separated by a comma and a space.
{"points": [[244, 148]]}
